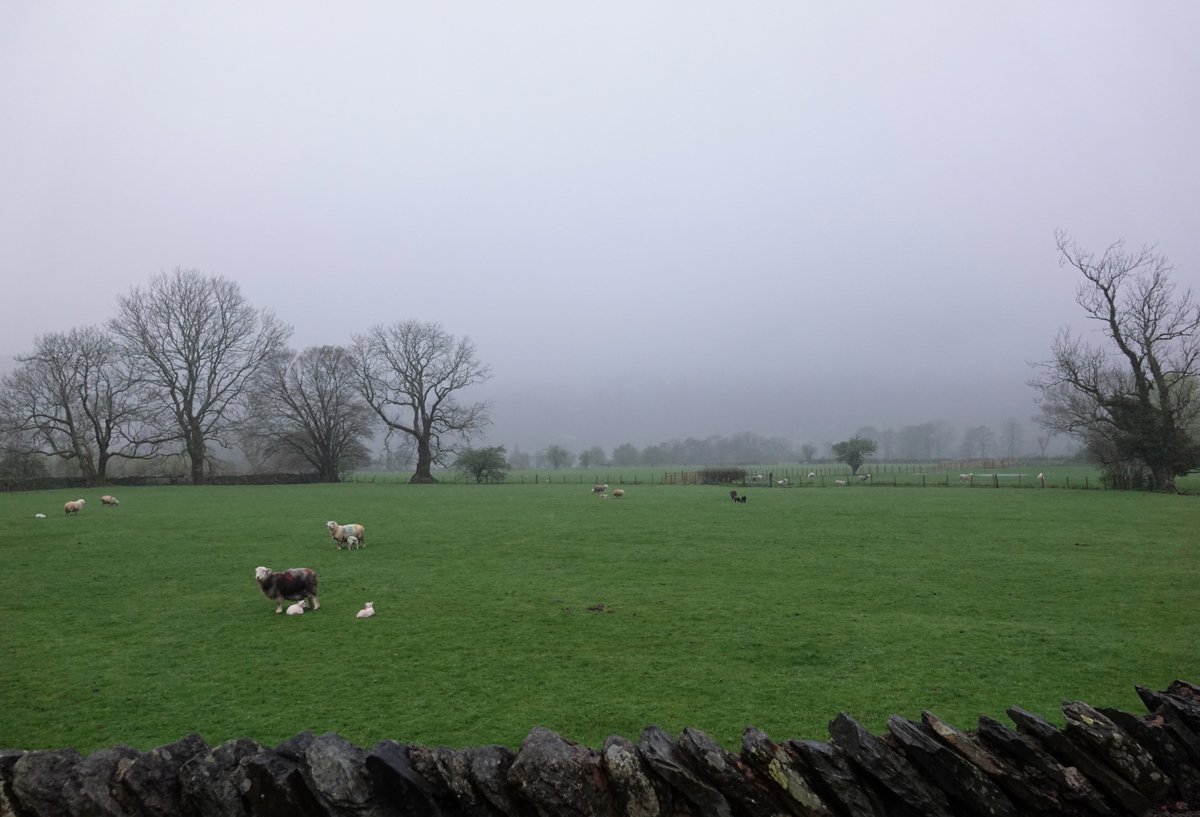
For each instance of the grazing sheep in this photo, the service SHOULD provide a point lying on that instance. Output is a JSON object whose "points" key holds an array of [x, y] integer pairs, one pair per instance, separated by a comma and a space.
{"points": [[618, 493], [298, 608], [864, 477], [812, 474], [965, 477], [839, 482], [367, 611], [39, 516], [342, 533], [293, 584], [109, 500], [734, 496], [74, 507], [756, 478], [782, 483], [600, 489]]}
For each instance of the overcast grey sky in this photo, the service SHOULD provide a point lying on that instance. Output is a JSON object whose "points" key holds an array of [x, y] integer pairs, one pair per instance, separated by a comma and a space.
{"points": [[655, 219]]}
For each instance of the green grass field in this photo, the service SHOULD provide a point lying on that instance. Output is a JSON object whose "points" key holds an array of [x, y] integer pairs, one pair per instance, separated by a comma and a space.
{"points": [[501, 608]]}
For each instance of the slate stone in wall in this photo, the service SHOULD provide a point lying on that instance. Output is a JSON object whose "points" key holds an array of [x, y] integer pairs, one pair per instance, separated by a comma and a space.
{"points": [[397, 784], [773, 763], [635, 792], [293, 748], [1028, 789], [835, 779], [273, 786], [891, 771], [210, 783], [560, 778], [1089, 728], [39, 778], [1175, 712], [148, 784], [1169, 754], [1076, 791], [488, 767], [1071, 754], [448, 773], [749, 796], [335, 771], [961, 780], [90, 789], [8, 800], [666, 761]]}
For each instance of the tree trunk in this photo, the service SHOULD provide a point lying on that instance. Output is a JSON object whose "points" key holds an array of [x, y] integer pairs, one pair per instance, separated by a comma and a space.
{"points": [[424, 471], [1164, 479], [195, 450]]}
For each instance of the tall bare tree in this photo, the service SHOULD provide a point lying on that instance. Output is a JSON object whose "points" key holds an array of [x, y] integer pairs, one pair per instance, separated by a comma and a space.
{"points": [[1134, 402], [411, 373], [305, 410], [195, 343], [72, 398], [1012, 435]]}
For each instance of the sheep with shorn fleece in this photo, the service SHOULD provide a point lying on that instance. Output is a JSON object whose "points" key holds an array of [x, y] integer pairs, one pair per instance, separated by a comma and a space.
{"points": [[342, 533], [109, 500], [74, 506], [293, 584]]}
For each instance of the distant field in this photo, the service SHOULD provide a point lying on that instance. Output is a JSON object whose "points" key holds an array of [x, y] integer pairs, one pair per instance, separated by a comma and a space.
{"points": [[825, 475], [506, 607]]}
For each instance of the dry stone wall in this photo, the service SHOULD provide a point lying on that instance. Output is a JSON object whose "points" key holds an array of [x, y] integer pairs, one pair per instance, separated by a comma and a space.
{"points": [[1103, 763]]}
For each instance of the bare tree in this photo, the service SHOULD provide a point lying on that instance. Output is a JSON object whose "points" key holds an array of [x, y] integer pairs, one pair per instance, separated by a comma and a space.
{"points": [[977, 442], [305, 410], [1134, 402], [195, 343], [410, 374], [1012, 435], [72, 398]]}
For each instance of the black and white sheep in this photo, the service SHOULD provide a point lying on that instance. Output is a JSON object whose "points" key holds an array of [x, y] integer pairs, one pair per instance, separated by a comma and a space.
{"points": [[293, 584]]}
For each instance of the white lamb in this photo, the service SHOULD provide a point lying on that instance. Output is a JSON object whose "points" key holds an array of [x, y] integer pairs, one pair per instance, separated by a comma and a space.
{"points": [[298, 608], [367, 611]]}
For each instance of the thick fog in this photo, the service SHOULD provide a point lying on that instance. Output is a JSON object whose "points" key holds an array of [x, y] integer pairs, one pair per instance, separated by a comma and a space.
{"points": [[655, 220]]}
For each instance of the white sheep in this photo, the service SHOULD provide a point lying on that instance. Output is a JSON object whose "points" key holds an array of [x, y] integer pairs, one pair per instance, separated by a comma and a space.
{"points": [[812, 474], [109, 500], [351, 542], [965, 477], [298, 608], [1041, 480], [839, 482], [782, 483], [342, 533], [39, 516], [367, 611], [863, 477], [74, 506]]}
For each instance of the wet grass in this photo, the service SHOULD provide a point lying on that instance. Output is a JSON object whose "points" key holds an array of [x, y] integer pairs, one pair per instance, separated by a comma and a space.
{"points": [[501, 608]]}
